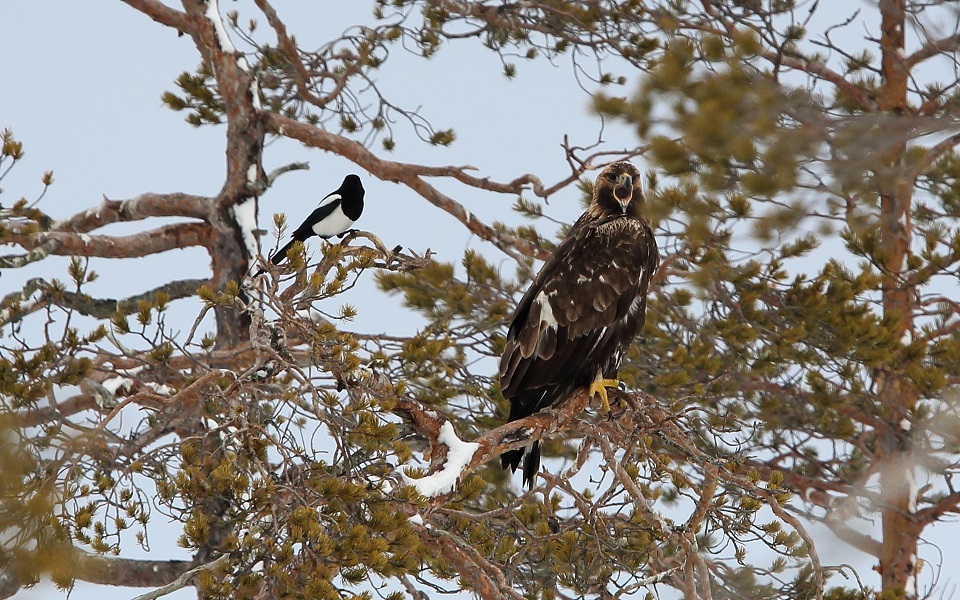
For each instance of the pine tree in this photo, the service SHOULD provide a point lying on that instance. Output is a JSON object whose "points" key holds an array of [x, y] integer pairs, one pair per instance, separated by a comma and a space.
{"points": [[798, 365]]}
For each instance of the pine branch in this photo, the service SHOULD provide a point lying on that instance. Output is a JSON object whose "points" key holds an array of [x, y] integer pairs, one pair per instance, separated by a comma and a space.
{"points": [[35, 254], [145, 243], [183, 580], [164, 15], [947, 45], [135, 209], [100, 308], [945, 505], [486, 579], [108, 571]]}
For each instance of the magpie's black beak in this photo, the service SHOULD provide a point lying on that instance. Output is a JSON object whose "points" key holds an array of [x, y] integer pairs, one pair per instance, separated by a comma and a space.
{"points": [[623, 191]]}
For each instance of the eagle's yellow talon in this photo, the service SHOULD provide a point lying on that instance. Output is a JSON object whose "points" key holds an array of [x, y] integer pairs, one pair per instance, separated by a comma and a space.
{"points": [[599, 386]]}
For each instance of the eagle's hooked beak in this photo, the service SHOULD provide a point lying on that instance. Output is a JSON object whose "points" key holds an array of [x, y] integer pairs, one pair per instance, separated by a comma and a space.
{"points": [[623, 191]]}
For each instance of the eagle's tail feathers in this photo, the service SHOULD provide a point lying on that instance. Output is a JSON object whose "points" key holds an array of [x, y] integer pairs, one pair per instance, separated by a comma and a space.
{"points": [[511, 459], [529, 456], [531, 464]]}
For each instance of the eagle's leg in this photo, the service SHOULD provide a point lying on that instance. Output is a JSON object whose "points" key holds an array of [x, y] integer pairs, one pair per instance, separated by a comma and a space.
{"points": [[599, 386]]}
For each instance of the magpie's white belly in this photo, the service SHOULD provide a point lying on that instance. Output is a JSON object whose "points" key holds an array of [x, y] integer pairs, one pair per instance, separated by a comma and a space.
{"points": [[335, 223]]}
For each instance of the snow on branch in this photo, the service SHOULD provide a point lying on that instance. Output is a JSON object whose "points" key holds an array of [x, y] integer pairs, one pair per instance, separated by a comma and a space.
{"points": [[213, 13], [452, 459], [135, 209], [459, 455], [154, 241], [223, 39]]}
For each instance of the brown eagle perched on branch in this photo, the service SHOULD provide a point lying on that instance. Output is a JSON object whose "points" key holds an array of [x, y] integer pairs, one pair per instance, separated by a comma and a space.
{"points": [[575, 323]]}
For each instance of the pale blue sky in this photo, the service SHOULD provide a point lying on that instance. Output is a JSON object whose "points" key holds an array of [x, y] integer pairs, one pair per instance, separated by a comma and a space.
{"points": [[82, 86]]}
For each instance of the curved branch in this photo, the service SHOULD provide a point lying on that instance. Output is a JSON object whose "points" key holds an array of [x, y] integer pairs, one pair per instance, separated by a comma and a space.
{"points": [[103, 308], [100, 308], [947, 45], [412, 176], [163, 14], [154, 241], [947, 504], [108, 571], [289, 48], [129, 572], [796, 60], [182, 581], [135, 209], [37, 253], [486, 580]]}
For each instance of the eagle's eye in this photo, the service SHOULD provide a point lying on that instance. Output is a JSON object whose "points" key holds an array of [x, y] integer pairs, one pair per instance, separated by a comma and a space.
{"points": [[611, 177]]}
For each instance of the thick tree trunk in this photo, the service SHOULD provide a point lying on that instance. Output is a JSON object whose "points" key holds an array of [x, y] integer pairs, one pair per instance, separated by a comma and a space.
{"points": [[898, 396], [230, 255]]}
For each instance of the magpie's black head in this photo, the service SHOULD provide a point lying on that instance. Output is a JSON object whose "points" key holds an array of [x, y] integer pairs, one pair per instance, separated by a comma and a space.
{"points": [[351, 186]]}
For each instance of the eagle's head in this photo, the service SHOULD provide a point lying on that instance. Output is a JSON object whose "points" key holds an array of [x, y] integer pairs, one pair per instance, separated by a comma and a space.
{"points": [[617, 191]]}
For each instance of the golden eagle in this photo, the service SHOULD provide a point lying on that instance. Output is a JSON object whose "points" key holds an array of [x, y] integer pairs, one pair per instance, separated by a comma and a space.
{"points": [[573, 326]]}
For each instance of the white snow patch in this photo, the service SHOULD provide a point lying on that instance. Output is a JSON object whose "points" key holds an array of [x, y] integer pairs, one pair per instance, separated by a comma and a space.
{"points": [[254, 90], [459, 455], [85, 238], [252, 173], [911, 586], [213, 13], [912, 491], [126, 378], [416, 519], [246, 215], [158, 388], [125, 381], [907, 338], [114, 384], [905, 424]]}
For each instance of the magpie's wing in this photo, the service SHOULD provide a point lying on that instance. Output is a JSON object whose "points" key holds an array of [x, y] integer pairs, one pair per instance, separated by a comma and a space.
{"points": [[326, 208]]}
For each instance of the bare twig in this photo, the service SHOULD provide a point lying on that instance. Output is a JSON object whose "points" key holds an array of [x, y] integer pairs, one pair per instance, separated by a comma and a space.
{"points": [[183, 580]]}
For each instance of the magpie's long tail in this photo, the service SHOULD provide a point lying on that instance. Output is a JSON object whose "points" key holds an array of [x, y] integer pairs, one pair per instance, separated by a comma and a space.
{"points": [[281, 254]]}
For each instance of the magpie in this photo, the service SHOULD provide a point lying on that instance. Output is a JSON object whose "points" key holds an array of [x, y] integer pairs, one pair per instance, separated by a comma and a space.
{"points": [[335, 215]]}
